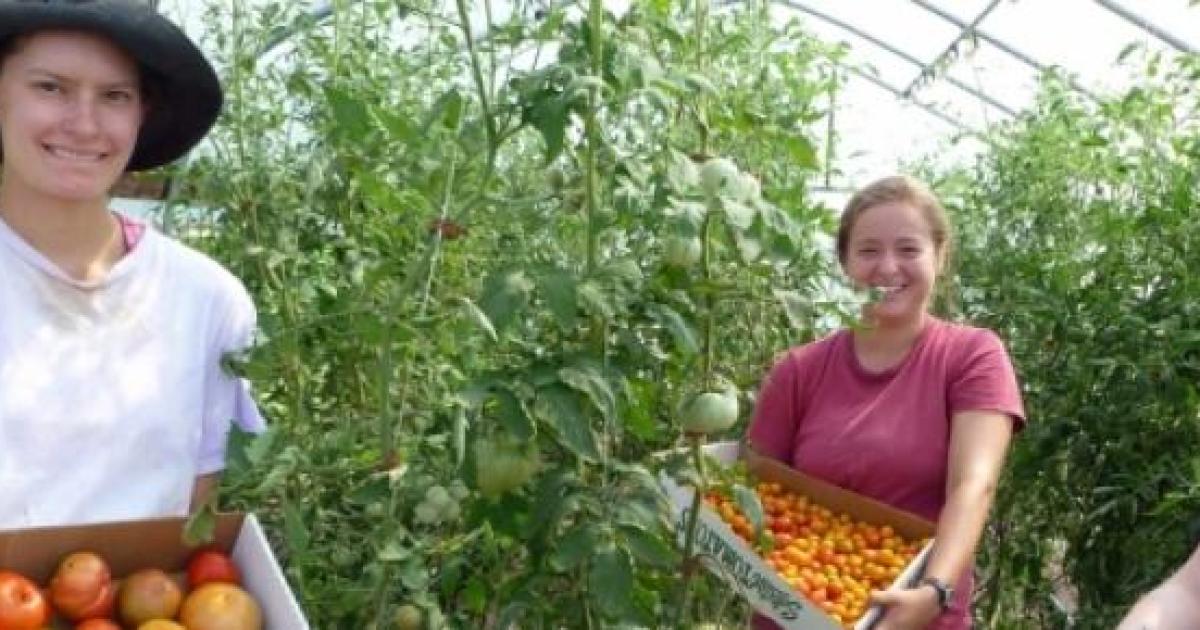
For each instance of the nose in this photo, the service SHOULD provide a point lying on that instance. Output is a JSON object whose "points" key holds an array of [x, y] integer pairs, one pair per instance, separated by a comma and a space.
{"points": [[887, 263], [84, 116]]}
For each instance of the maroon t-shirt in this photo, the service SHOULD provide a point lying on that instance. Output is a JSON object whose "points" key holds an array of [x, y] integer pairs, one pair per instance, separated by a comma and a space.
{"points": [[885, 435]]}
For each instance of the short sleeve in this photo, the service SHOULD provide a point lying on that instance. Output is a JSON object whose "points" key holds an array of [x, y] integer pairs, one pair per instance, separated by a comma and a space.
{"points": [[227, 397], [985, 380], [772, 431]]}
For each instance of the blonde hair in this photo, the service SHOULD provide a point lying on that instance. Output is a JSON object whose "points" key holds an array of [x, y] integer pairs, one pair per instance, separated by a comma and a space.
{"points": [[893, 189]]}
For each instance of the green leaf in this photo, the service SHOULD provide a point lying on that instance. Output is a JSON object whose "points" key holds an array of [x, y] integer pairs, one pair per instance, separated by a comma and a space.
{"points": [[549, 113], [201, 526], [505, 295], [414, 575], [295, 530], [475, 596], [748, 503], [685, 338], [575, 547], [558, 288], [610, 581], [350, 114], [559, 407], [739, 215], [513, 416], [797, 309], [595, 300], [478, 317], [648, 548], [588, 380], [802, 151], [447, 109]]}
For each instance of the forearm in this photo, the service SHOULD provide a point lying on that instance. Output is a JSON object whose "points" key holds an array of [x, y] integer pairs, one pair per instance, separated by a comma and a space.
{"points": [[959, 529], [1168, 607], [1174, 605]]}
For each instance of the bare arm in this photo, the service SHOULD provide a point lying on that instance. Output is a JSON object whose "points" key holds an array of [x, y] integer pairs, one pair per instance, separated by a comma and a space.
{"points": [[977, 450], [978, 446], [203, 489], [1174, 605]]}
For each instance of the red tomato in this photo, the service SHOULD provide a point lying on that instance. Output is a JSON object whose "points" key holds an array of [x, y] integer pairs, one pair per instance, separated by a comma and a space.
{"points": [[98, 624], [82, 587], [211, 566], [22, 605]]}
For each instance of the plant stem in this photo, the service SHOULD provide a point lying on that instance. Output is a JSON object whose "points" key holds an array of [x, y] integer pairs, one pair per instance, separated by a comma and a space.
{"points": [[596, 30], [689, 542], [489, 124]]}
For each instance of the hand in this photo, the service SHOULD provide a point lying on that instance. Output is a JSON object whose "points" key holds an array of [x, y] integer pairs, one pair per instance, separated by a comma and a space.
{"points": [[907, 608]]}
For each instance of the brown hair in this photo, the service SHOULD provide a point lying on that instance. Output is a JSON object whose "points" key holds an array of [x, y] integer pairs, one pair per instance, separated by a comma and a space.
{"points": [[892, 189]]}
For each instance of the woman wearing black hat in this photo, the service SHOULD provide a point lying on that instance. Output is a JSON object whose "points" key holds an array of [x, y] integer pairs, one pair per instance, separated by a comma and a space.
{"points": [[113, 403]]}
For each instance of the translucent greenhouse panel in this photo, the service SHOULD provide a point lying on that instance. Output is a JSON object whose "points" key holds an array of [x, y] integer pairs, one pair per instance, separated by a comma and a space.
{"points": [[878, 133], [1081, 36], [1001, 76]]}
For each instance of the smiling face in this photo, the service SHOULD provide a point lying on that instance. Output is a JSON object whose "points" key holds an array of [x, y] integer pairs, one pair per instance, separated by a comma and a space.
{"points": [[894, 237], [70, 111]]}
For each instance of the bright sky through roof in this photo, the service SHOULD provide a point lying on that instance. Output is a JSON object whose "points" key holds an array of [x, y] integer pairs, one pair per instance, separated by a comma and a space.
{"points": [[878, 131]]}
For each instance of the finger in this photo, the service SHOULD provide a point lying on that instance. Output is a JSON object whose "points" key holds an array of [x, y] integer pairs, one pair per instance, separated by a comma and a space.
{"points": [[883, 598]]}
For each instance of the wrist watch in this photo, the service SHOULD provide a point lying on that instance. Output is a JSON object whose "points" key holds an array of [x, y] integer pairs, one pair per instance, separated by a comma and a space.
{"points": [[945, 592]]}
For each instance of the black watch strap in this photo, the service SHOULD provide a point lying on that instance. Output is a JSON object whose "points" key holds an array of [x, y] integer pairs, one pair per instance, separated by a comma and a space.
{"points": [[945, 593]]}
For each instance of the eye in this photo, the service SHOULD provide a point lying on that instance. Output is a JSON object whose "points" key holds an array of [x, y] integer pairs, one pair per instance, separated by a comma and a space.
{"points": [[119, 96], [47, 86]]}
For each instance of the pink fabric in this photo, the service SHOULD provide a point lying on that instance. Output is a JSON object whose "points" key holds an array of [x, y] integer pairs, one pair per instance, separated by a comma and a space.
{"points": [[131, 229], [885, 435]]}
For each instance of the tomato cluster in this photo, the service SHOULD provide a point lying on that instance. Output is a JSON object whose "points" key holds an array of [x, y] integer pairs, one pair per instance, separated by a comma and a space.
{"points": [[833, 560], [83, 591]]}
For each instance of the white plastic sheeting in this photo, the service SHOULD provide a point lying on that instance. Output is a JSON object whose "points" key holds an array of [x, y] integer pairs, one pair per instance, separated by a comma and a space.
{"points": [[982, 77]]}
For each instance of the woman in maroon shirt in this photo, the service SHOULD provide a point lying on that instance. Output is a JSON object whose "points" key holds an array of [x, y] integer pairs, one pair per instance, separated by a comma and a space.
{"points": [[908, 409]]}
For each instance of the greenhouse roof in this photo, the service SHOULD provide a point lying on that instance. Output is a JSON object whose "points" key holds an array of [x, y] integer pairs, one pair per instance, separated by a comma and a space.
{"points": [[921, 72]]}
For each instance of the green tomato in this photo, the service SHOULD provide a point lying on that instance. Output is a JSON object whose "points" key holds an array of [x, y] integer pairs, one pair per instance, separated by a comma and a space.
{"points": [[683, 251], [426, 513], [710, 412], [408, 617], [437, 496], [503, 465], [717, 176]]}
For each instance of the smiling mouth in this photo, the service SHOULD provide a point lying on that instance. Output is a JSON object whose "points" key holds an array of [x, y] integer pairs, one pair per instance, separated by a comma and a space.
{"points": [[86, 157]]}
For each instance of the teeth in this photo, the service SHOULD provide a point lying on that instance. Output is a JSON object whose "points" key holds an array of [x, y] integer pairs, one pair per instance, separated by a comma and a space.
{"points": [[75, 155]]}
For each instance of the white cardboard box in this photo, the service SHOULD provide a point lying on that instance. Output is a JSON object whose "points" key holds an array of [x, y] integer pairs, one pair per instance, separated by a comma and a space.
{"points": [[726, 555], [131, 545]]}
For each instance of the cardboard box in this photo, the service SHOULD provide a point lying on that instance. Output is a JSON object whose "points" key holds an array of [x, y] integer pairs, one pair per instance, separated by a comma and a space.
{"points": [[132, 545], [728, 556]]}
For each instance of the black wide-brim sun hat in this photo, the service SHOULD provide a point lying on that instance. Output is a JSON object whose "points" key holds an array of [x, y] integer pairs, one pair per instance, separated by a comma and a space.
{"points": [[188, 97]]}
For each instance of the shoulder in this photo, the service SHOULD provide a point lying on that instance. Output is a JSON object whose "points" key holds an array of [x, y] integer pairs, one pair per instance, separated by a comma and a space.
{"points": [[810, 353], [199, 276], [965, 338]]}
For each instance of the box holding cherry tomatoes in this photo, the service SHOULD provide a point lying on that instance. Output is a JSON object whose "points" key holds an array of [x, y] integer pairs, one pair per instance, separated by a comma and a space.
{"points": [[819, 553], [141, 574]]}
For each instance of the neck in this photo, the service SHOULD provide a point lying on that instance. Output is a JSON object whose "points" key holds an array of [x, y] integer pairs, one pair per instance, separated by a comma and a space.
{"points": [[891, 339], [80, 237]]}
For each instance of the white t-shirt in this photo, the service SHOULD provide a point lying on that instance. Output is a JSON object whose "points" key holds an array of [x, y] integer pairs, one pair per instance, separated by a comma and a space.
{"points": [[112, 395]]}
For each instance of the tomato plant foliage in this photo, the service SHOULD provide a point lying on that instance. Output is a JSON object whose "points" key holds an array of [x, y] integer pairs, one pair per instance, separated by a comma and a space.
{"points": [[457, 228]]}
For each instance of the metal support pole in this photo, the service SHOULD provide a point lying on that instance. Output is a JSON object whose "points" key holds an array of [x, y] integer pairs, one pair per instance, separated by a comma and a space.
{"points": [[1145, 25], [795, 4], [1000, 44]]}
